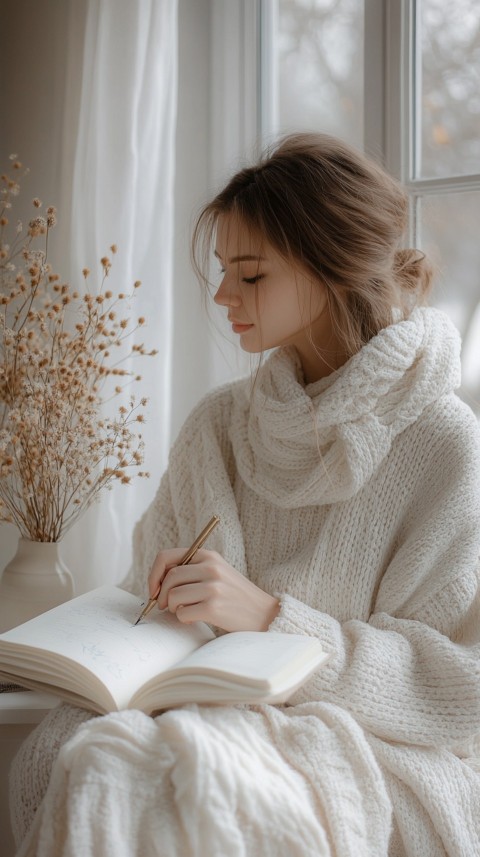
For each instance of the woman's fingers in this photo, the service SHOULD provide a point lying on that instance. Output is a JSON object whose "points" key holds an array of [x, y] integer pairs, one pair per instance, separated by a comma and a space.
{"points": [[181, 593], [164, 561], [185, 585]]}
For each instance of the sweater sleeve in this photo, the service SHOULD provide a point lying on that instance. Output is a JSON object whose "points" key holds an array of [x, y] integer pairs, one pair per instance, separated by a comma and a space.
{"points": [[185, 500], [156, 529], [407, 675]]}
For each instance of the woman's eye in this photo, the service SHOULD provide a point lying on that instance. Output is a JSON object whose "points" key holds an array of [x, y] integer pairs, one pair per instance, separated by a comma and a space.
{"points": [[252, 280]]}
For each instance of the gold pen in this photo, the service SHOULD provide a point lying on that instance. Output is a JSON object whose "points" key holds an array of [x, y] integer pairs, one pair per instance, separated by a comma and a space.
{"points": [[184, 561]]}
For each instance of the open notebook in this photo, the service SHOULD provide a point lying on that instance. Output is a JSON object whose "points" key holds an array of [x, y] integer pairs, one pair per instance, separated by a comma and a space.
{"points": [[88, 652]]}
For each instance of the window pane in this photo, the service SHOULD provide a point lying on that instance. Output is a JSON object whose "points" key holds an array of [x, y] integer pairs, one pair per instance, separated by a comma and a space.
{"points": [[319, 49], [449, 107], [450, 238]]}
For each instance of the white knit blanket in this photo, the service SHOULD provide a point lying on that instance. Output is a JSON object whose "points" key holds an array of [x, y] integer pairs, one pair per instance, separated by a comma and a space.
{"points": [[214, 781]]}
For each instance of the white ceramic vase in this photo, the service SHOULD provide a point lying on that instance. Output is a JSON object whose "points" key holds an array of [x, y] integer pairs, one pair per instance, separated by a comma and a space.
{"points": [[34, 581]]}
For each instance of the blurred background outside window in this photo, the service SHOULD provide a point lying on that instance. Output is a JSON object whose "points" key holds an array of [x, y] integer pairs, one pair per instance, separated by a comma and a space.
{"points": [[320, 67]]}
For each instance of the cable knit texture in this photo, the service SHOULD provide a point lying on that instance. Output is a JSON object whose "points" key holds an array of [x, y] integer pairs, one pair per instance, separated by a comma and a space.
{"points": [[356, 500]]}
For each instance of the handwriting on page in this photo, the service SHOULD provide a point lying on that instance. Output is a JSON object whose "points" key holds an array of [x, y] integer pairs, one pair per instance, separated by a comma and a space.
{"points": [[98, 631], [104, 634]]}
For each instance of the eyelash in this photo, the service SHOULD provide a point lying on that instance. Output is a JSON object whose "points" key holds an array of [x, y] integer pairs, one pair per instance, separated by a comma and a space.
{"points": [[250, 280]]}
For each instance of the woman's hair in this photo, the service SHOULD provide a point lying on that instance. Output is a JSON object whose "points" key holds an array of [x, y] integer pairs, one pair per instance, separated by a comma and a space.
{"points": [[322, 204]]}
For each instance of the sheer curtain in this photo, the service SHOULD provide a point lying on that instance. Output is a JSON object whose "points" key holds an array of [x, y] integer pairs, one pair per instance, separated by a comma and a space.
{"points": [[122, 193]]}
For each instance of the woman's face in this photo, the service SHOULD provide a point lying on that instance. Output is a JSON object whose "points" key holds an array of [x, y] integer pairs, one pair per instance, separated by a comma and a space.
{"points": [[269, 303]]}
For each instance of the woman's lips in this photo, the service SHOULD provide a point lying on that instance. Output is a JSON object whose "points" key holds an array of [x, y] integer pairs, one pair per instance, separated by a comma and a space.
{"points": [[240, 328]]}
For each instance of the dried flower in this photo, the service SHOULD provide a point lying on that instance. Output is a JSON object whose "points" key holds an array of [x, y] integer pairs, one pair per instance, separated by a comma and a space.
{"points": [[57, 449], [51, 216]]}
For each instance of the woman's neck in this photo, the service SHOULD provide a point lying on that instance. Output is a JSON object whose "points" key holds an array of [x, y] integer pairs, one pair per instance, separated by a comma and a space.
{"points": [[318, 363]]}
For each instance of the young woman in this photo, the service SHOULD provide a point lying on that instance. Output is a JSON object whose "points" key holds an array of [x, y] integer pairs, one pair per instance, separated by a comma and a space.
{"points": [[347, 477]]}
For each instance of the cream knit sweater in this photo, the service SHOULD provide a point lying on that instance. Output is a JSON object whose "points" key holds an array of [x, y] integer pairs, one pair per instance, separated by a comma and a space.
{"points": [[356, 500]]}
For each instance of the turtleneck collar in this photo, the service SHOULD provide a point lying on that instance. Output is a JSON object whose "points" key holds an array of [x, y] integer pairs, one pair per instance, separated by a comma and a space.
{"points": [[298, 445]]}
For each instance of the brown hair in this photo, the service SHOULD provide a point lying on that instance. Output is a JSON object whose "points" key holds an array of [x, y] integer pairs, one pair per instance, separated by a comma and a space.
{"points": [[324, 205]]}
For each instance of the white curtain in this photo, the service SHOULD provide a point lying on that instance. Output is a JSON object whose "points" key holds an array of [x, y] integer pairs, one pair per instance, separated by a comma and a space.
{"points": [[122, 194]]}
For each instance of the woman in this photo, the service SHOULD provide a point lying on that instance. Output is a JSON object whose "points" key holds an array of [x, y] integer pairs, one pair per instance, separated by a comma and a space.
{"points": [[347, 478]]}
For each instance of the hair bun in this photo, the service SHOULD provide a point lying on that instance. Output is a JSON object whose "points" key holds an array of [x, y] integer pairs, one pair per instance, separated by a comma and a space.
{"points": [[413, 271]]}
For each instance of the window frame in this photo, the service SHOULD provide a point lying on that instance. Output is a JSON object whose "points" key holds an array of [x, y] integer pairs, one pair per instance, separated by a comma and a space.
{"points": [[401, 106]]}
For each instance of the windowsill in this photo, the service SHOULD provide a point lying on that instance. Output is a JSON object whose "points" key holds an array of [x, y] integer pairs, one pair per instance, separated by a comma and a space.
{"points": [[28, 707]]}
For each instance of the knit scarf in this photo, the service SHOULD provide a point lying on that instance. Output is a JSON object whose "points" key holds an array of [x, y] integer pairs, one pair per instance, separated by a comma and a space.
{"points": [[298, 445]]}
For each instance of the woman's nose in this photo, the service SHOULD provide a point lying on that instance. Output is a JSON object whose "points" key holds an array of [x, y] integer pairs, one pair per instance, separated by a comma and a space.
{"points": [[227, 295]]}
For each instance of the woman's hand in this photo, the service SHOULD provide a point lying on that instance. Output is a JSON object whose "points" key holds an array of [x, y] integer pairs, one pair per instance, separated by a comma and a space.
{"points": [[208, 589]]}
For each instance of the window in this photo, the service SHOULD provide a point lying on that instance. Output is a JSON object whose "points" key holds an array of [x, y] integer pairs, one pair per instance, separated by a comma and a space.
{"points": [[400, 78], [433, 144]]}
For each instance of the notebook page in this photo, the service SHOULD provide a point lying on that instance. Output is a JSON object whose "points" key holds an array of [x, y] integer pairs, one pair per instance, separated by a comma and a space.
{"points": [[254, 657]]}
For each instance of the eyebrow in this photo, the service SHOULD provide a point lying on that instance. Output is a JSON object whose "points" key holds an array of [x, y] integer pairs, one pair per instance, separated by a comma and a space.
{"points": [[242, 258]]}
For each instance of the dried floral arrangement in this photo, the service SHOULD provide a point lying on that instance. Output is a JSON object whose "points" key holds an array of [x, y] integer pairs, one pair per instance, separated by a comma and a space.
{"points": [[61, 352]]}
